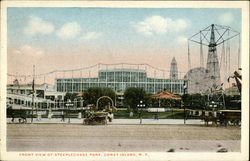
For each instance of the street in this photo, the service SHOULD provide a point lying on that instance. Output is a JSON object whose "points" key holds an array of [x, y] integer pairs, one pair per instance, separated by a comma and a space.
{"points": [[116, 138], [114, 121]]}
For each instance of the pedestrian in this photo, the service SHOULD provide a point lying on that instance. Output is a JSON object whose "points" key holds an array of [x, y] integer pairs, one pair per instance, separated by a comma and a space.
{"points": [[39, 116], [140, 115], [110, 116], [131, 114], [62, 116], [12, 116], [23, 118], [79, 115]]}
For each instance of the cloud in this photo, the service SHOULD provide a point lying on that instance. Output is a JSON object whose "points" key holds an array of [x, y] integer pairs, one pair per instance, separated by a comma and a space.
{"points": [[160, 25], [29, 51], [69, 30], [92, 35], [226, 18], [181, 39], [38, 26]]}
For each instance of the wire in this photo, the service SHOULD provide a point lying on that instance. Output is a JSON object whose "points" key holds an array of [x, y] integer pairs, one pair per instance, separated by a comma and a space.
{"points": [[84, 68], [189, 60]]}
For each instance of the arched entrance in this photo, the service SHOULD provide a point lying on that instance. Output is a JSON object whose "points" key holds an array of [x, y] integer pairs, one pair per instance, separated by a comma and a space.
{"points": [[112, 102]]}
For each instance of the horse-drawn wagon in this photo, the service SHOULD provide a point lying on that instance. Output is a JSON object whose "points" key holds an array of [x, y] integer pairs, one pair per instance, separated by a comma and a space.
{"points": [[100, 115], [229, 117], [220, 117]]}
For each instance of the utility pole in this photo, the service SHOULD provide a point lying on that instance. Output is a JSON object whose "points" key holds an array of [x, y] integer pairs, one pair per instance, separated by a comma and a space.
{"points": [[184, 92], [33, 93], [141, 105]]}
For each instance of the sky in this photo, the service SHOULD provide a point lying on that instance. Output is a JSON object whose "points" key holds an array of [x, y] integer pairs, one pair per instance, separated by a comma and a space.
{"points": [[69, 38]]}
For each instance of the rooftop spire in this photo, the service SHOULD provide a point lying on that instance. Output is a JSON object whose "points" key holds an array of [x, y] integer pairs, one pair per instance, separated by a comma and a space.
{"points": [[173, 69]]}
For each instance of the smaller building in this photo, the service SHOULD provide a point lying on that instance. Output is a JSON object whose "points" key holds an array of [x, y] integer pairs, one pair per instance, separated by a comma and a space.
{"points": [[45, 95], [232, 91], [196, 80]]}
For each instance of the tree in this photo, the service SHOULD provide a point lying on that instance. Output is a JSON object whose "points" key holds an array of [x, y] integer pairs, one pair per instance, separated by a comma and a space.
{"points": [[70, 96], [233, 102], [187, 100], [92, 94], [194, 101], [133, 96]]}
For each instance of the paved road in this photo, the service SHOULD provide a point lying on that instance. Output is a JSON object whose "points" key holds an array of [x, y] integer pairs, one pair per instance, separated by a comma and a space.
{"points": [[116, 121], [117, 138], [118, 145]]}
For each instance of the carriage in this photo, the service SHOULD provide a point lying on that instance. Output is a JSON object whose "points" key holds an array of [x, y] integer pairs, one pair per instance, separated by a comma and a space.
{"points": [[97, 118], [230, 117], [220, 117], [100, 115]]}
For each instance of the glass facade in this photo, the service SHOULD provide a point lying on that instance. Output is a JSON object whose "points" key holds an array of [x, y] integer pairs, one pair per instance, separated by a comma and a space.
{"points": [[120, 79]]}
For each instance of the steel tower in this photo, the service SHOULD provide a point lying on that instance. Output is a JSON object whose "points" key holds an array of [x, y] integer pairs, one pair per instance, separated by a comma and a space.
{"points": [[213, 70], [212, 37]]}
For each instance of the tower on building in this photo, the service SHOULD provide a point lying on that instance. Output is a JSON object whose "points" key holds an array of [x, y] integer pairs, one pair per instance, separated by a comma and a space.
{"points": [[173, 69]]}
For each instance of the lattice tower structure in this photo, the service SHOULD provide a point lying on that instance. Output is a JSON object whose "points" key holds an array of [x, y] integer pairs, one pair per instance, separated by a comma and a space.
{"points": [[213, 71]]}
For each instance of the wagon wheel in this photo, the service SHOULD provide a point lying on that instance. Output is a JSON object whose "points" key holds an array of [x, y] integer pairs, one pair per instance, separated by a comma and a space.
{"points": [[86, 121], [237, 122], [226, 122], [214, 121]]}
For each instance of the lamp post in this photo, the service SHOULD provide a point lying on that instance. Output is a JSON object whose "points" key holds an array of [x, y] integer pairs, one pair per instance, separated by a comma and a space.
{"points": [[213, 105], [81, 105], [81, 102], [20, 114], [141, 105], [69, 104], [33, 93], [75, 103], [184, 92]]}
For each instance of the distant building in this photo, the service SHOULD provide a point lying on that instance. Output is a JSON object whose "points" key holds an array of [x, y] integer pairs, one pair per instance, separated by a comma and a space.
{"points": [[232, 91], [173, 69], [196, 80], [119, 80]]}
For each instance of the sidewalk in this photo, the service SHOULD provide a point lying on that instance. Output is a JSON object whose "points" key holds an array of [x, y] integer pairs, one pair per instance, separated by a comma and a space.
{"points": [[114, 121]]}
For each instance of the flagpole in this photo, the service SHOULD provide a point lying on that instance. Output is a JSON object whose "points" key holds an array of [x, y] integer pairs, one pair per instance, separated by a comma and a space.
{"points": [[33, 93]]}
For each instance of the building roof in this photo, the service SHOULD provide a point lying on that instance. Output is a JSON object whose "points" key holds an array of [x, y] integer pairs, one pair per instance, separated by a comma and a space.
{"points": [[80, 94], [29, 86], [232, 91], [122, 70], [166, 95], [232, 87]]}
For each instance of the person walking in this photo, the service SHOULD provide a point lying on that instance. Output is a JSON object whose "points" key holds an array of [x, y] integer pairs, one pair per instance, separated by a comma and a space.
{"points": [[23, 117], [140, 115], [12, 115], [62, 116], [39, 116]]}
